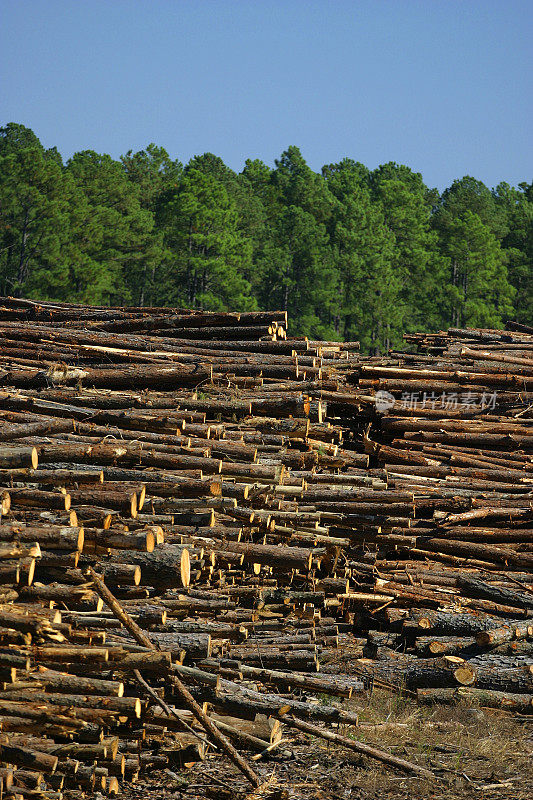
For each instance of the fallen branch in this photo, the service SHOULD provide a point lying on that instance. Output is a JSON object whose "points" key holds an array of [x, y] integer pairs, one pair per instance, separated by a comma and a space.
{"points": [[359, 747]]}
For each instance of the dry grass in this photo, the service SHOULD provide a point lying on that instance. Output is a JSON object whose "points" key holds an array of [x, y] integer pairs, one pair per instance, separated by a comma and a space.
{"points": [[475, 752]]}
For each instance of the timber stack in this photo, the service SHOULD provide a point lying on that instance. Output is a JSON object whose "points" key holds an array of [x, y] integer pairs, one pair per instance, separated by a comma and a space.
{"points": [[198, 512]]}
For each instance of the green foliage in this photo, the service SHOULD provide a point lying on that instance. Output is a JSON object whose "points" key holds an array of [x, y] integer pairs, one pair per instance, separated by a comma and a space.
{"points": [[517, 245], [297, 272], [208, 252], [350, 253], [35, 201], [478, 290], [469, 194], [114, 234], [295, 265], [153, 172], [419, 268], [368, 303]]}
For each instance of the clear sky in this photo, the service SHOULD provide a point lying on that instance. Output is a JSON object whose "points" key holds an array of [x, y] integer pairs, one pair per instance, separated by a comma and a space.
{"points": [[441, 85]]}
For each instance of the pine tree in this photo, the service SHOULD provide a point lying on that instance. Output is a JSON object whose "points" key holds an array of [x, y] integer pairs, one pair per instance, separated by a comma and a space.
{"points": [[478, 292], [517, 245], [368, 305], [469, 194], [294, 264], [36, 203], [209, 256], [113, 235], [299, 186], [349, 252], [153, 172], [154, 175], [298, 273], [419, 268]]}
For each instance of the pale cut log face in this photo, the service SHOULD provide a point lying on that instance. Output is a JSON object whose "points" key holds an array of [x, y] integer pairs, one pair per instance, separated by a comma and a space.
{"points": [[204, 520]]}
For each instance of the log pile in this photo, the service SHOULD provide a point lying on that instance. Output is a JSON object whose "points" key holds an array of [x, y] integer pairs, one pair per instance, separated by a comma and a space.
{"points": [[206, 523], [453, 558]]}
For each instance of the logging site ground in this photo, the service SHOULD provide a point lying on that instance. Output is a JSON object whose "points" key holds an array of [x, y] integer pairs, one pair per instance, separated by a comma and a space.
{"points": [[236, 563], [477, 754]]}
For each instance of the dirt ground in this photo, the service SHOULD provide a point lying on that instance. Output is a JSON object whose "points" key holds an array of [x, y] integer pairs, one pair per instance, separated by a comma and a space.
{"points": [[474, 753]]}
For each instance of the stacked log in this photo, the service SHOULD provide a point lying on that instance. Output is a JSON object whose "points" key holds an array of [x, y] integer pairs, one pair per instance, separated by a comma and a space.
{"points": [[449, 558], [204, 520]]}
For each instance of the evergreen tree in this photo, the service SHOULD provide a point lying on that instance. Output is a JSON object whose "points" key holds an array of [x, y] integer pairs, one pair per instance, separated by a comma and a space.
{"points": [[348, 252], [517, 245], [154, 175], [295, 265], [299, 186], [114, 235], [469, 194], [153, 172], [209, 256], [368, 306], [36, 203], [419, 268], [478, 292], [298, 273]]}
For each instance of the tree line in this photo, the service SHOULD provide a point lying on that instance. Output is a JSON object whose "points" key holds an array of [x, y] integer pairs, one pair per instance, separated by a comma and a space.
{"points": [[350, 253]]}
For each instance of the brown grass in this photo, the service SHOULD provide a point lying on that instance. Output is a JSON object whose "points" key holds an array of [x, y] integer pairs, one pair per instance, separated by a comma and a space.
{"points": [[475, 752]]}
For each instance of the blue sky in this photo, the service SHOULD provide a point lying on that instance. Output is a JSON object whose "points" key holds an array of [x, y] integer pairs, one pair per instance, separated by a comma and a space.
{"points": [[441, 85]]}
